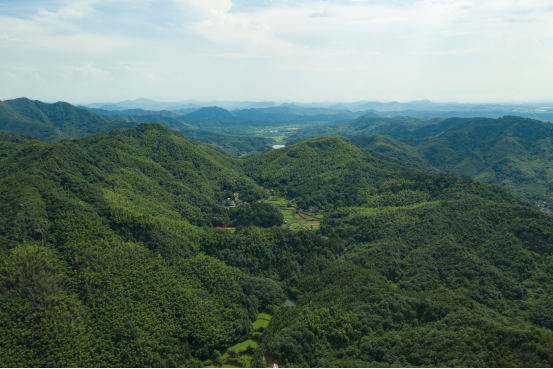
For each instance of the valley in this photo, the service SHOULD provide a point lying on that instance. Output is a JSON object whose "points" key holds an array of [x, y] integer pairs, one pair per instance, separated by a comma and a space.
{"points": [[121, 248]]}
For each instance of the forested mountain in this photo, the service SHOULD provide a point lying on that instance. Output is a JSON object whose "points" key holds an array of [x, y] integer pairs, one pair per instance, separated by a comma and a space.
{"points": [[366, 125], [513, 152], [215, 117], [165, 113], [52, 122], [109, 256], [13, 137], [231, 144]]}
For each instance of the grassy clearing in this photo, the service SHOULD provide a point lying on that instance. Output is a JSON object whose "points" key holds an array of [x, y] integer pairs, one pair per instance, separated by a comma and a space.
{"points": [[278, 139], [277, 201], [260, 323], [243, 359], [242, 346]]}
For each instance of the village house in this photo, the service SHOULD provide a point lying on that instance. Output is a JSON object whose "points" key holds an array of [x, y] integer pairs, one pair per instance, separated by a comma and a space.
{"points": [[312, 208]]}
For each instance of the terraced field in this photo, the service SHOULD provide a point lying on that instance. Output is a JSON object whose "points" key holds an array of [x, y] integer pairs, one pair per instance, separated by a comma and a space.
{"points": [[245, 349], [292, 215]]}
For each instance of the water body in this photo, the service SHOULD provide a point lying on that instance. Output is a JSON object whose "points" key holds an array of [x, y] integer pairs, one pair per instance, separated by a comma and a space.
{"points": [[289, 303], [278, 146]]}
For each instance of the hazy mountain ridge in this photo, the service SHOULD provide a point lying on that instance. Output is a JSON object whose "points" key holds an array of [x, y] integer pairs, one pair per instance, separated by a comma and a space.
{"points": [[423, 109], [52, 122]]}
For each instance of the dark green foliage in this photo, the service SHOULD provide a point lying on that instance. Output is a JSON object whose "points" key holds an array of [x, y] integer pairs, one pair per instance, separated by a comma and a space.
{"points": [[513, 152], [266, 291], [13, 137], [109, 257], [215, 117], [52, 122], [257, 214], [365, 126]]}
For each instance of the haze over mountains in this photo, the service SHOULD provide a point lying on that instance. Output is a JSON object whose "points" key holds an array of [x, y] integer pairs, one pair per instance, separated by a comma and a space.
{"points": [[417, 109], [511, 151]]}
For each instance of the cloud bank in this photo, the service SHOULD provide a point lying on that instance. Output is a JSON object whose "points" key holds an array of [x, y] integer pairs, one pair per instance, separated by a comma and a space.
{"points": [[110, 50]]}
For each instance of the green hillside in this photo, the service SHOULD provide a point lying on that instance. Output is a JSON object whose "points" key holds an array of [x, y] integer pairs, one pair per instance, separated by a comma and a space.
{"points": [[512, 152], [52, 122], [13, 137], [233, 145], [109, 256], [366, 125]]}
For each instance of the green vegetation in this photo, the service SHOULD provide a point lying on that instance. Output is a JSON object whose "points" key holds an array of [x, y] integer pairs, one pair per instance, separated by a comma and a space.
{"points": [[109, 256], [260, 323], [257, 214], [512, 152], [52, 122], [243, 346], [366, 125]]}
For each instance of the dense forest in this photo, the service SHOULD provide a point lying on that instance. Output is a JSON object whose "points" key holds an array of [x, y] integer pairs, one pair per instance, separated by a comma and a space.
{"points": [[115, 251], [54, 122], [511, 151]]}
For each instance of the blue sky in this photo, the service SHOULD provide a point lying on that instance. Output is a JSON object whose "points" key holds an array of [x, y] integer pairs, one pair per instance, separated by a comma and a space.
{"points": [[282, 50]]}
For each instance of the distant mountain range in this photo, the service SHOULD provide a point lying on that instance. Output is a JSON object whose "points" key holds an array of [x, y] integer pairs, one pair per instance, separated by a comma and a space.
{"points": [[53, 122], [424, 109]]}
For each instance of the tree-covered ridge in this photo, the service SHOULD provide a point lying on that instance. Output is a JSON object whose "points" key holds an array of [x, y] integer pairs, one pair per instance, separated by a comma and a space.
{"points": [[13, 137], [231, 144], [513, 152], [454, 278], [52, 122], [366, 125], [109, 256]]}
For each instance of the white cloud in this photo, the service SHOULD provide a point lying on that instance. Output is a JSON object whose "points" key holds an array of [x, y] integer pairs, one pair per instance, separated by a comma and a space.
{"points": [[141, 72], [87, 70], [6, 39], [11, 75], [323, 14], [38, 78], [454, 52], [279, 50]]}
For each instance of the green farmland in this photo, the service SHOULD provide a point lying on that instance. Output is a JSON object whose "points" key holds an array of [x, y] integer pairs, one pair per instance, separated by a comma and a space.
{"points": [[293, 216]]}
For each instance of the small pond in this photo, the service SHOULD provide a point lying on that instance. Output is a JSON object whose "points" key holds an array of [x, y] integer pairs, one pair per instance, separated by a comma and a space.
{"points": [[289, 303]]}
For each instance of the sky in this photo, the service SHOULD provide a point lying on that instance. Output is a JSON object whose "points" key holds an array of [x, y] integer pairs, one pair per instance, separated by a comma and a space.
{"points": [[85, 51]]}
